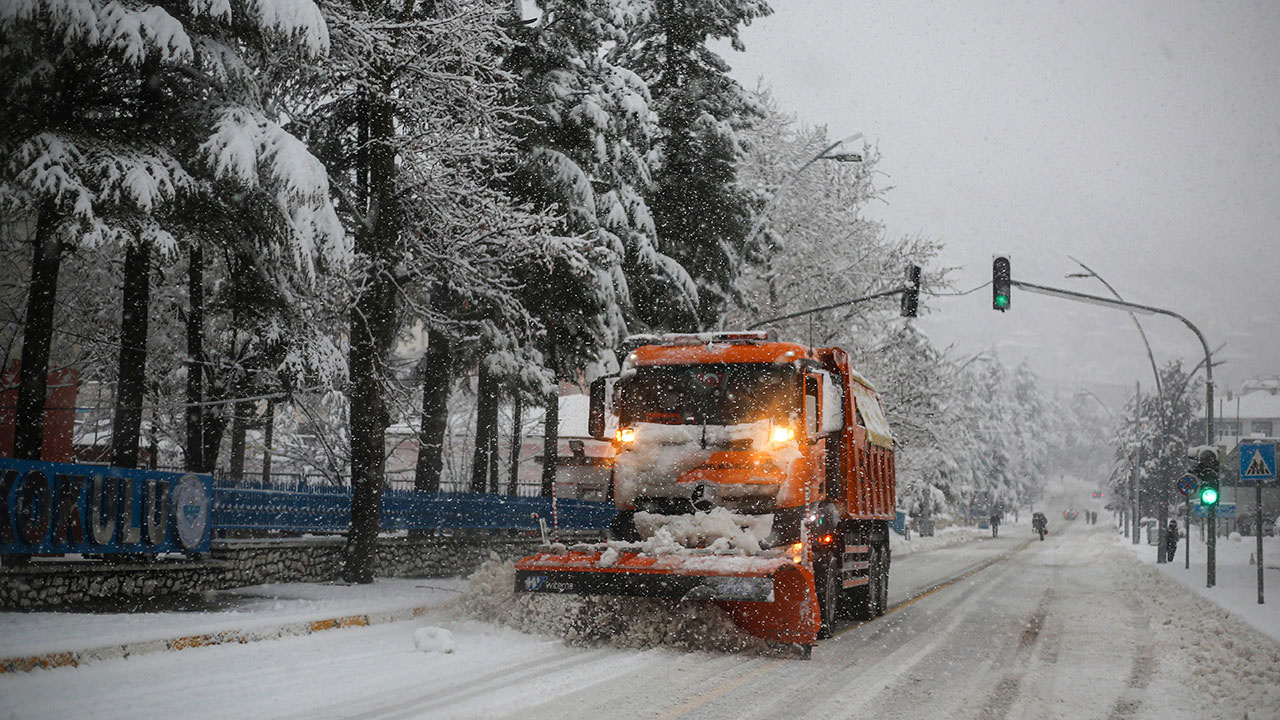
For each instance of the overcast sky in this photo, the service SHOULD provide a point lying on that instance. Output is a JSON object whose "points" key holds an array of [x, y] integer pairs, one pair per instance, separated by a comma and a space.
{"points": [[1141, 137]]}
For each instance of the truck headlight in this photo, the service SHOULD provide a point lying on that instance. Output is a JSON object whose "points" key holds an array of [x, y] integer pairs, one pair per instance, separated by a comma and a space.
{"points": [[780, 434]]}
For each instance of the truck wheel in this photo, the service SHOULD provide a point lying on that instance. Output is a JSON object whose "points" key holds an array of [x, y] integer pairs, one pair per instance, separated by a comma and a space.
{"points": [[873, 587], [826, 578], [882, 586]]}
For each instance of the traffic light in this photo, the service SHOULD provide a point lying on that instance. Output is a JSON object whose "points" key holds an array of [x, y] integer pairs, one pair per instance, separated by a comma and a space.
{"points": [[911, 295], [1000, 283], [1207, 470]]}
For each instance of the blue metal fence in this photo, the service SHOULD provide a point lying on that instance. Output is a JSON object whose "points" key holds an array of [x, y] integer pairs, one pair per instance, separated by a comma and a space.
{"points": [[328, 509]]}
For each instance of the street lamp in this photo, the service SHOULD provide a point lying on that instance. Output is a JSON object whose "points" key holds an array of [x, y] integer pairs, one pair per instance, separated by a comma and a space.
{"points": [[825, 154], [1163, 511]]}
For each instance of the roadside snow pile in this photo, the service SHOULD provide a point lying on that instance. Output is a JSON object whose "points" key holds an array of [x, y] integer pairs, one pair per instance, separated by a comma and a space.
{"points": [[434, 640], [899, 545], [719, 530], [590, 621], [1234, 669]]}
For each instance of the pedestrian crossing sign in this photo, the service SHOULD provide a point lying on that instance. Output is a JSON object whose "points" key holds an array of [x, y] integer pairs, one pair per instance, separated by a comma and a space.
{"points": [[1257, 461]]}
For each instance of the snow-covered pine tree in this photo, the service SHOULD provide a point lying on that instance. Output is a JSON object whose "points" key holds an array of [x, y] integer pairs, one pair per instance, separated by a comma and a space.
{"points": [[583, 147], [118, 115], [701, 211]]}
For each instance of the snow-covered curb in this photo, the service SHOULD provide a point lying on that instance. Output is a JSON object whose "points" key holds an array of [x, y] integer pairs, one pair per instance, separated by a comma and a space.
{"points": [[78, 657], [1236, 583]]}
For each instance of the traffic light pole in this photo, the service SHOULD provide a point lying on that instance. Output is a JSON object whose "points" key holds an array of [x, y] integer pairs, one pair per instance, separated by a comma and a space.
{"points": [[1135, 476], [1211, 565], [1186, 529]]}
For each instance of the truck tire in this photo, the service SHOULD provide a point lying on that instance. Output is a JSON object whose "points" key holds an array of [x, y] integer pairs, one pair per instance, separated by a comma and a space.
{"points": [[873, 587], [826, 579], [882, 572]]}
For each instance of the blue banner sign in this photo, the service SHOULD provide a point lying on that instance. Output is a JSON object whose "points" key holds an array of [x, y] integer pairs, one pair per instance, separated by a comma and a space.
{"points": [[54, 508], [1225, 510]]}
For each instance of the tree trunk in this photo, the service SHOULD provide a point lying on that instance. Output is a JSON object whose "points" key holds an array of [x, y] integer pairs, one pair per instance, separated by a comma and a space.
{"points": [[195, 359], [213, 423], [550, 442], [493, 443], [239, 425], [372, 333], [269, 432], [127, 423], [517, 411], [37, 335], [486, 429], [435, 414]]}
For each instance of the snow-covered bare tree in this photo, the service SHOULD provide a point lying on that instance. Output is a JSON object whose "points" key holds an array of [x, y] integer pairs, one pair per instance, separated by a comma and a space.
{"points": [[411, 117], [1167, 425]]}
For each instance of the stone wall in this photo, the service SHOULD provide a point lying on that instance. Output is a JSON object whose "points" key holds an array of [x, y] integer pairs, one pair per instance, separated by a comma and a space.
{"points": [[237, 563]]}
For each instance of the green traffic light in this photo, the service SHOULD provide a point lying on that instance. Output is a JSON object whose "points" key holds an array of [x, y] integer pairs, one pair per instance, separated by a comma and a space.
{"points": [[1002, 301], [1208, 496]]}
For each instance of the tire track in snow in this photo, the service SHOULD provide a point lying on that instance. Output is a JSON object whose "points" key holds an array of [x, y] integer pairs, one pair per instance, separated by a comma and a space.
{"points": [[1129, 703], [1001, 699], [438, 698], [883, 660]]}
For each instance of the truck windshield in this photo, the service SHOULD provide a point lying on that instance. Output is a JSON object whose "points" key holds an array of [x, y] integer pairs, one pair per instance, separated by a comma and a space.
{"points": [[712, 394]]}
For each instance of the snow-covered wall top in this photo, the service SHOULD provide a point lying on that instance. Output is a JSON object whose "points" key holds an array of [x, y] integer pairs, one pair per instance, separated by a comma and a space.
{"points": [[1260, 404]]}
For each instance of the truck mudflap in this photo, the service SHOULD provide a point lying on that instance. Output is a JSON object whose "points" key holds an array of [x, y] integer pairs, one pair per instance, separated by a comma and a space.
{"points": [[771, 598]]}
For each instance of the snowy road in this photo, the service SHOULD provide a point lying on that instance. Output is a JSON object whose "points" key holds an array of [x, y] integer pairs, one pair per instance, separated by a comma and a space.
{"points": [[1072, 627]]}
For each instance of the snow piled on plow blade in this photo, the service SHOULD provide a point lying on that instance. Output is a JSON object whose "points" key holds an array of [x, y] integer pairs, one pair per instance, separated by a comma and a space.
{"points": [[769, 597], [589, 621]]}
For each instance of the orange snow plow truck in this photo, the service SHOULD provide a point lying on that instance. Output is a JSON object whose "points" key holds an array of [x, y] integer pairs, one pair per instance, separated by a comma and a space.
{"points": [[755, 474]]}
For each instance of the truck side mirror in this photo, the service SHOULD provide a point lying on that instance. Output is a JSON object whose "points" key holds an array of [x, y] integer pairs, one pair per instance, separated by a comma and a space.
{"points": [[812, 411], [595, 415]]}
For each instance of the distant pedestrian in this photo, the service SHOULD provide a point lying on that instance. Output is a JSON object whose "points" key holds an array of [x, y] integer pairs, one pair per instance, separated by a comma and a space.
{"points": [[1171, 541]]}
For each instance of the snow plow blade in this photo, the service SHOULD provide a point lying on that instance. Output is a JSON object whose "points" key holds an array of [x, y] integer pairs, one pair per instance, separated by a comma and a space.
{"points": [[771, 598]]}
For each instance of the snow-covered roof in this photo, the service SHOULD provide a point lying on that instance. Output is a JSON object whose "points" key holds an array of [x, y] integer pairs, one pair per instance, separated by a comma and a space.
{"points": [[1260, 404]]}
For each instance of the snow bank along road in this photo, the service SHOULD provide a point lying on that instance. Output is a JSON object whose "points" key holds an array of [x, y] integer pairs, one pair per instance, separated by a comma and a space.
{"points": [[1072, 627]]}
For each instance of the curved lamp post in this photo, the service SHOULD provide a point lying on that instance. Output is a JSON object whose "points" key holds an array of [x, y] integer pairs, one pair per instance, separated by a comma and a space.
{"points": [[1163, 513], [825, 154]]}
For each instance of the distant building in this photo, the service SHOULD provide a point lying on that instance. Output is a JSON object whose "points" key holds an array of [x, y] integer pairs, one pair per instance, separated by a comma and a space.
{"points": [[1254, 413]]}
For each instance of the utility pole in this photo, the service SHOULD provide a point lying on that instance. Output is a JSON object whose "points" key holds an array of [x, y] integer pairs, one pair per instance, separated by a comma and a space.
{"points": [[1135, 481]]}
